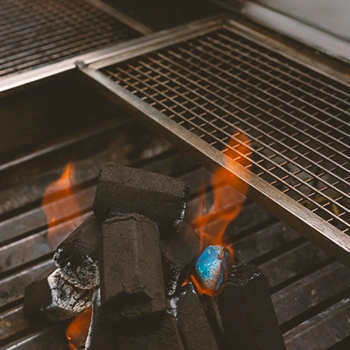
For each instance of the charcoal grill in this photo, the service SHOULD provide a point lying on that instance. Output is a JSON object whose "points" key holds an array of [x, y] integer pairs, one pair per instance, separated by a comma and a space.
{"points": [[40, 39], [295, 105], [207, 82]]}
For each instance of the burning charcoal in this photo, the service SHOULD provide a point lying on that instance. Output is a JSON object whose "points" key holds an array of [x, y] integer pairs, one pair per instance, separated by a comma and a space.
{"points": [[248, 315], [178, 256], [76, 256], [212, 312], [93, 329], [122, 190], [101, 333], [78, 329], [132, 286], [163, 335], [55, 299], [193, 325], [210, 270], [104, 335]]}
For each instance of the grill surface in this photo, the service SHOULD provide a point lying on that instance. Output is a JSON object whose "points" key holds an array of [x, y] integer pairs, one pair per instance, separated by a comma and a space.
{"points": [[36, 33], [298, 121], [223, 83]]}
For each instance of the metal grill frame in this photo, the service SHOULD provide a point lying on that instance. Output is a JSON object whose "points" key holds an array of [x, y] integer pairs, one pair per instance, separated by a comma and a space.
{"points": [[11, 83], [311, 226]]}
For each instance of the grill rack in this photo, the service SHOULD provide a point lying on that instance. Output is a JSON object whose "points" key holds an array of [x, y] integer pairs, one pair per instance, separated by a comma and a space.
{"points": [[213, 80], [39, 39]]}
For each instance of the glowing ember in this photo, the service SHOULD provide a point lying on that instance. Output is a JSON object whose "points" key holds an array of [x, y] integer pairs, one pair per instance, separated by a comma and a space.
{"points": [[78, 329], [58, 203], [226, 206]]}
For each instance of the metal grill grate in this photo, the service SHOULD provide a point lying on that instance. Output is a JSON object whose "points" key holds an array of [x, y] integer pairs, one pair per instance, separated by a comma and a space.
{"points": [[36, 33], [223, 84]]}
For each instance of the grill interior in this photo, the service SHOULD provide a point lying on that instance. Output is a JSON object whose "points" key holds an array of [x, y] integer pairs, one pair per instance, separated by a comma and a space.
{"points": [[223, 84], [35, 33], [228, 83]]}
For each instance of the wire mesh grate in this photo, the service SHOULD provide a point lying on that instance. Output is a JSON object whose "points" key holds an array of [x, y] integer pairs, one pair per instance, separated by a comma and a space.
{"points": [[35, 33], [222, 85]]}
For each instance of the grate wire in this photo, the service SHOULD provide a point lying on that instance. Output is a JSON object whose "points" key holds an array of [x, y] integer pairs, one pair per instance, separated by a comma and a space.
{"points": [[222, 85], [36, 33]]}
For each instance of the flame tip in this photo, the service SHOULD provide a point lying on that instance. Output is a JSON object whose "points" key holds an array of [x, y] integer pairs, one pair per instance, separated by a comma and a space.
{"points": [[60, 203]]}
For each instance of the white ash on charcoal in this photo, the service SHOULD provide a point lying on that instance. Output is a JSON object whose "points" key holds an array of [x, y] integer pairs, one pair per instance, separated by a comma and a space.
{"points": [[178, 257], [247, 311], [192, 322], [55, 299], [132, 287], [77, 255], [122, 190]]}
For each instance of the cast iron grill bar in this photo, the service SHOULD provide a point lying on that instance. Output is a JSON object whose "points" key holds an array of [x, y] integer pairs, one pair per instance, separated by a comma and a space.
{"points": [[221, 84], [37, 35]]}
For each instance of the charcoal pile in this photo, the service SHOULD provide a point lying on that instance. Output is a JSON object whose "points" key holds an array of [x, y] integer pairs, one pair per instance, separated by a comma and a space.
{"points": [[150, 283]]}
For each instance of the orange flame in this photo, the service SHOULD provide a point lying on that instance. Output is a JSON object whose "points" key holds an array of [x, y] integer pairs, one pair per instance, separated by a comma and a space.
{"points": [[62, 207], [227, 202], [57, 209], [78, 329]]}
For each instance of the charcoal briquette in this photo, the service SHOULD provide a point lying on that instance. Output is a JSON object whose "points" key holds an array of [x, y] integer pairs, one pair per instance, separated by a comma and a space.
{"points": [[132, 287], [247, 311], [77, 255], [161, 336], [93, 336], [105, 335], [212, 312], [122, 190], [179, 254], [55, 299], [193, 325]]}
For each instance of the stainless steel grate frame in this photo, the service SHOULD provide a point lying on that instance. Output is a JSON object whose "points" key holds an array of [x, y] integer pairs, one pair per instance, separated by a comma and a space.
{"points": [[225, 83], [36, 33]]}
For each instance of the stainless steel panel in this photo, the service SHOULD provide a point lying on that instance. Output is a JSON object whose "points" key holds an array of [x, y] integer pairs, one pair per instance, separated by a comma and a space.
{"points": [[330, 16]]}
